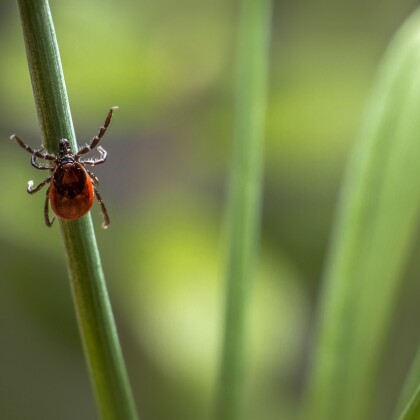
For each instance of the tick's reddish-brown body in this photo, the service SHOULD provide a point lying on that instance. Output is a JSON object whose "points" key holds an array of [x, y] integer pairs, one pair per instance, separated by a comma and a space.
{"points": [[72, 187], [71, 191]]}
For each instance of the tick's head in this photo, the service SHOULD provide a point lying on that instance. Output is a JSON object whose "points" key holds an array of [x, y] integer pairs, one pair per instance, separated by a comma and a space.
{"points": [[64, 148]]}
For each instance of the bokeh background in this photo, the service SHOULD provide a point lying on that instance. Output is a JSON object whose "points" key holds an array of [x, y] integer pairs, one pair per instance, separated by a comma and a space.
{"points": [[169, 66]]}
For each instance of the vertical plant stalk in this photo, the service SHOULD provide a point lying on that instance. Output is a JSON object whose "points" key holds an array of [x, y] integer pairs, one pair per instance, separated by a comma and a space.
{"points": [[243, 207], [96, 323], [377, 220]]}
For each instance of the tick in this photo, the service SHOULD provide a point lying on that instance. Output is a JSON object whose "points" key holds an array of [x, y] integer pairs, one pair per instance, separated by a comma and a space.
{"points": [[72, 187]]}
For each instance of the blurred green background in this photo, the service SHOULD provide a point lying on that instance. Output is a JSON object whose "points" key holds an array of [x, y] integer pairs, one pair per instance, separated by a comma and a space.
{"points": [[169, 67]]}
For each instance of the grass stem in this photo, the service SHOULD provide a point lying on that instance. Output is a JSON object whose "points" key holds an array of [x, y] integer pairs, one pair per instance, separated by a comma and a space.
{"points": [[96, 323], [243, 207]]}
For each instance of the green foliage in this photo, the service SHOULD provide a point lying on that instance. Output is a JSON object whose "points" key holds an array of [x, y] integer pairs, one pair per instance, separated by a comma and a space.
{"points": [[377, 222], [408, 407], [168, 65]]}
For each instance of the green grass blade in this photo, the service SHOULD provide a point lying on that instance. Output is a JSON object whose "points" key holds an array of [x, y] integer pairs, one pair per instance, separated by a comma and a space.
{"points": [[412, 411], [95, 318], [244, 198], [408, 407], [377, 220]]}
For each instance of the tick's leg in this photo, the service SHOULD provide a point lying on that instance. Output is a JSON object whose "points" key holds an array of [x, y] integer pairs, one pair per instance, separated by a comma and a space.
{"points": [[48, 222], [92, 162], [94, 179], [38, 187], [16, 139], [105, 224], [37, 165], [88, 147], [38, 153]]}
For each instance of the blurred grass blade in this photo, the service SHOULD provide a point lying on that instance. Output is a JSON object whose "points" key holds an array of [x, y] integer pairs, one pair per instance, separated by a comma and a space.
{"points": [[408, 407], [93, 309], [412, 411], [377, 219], [244, 198]]}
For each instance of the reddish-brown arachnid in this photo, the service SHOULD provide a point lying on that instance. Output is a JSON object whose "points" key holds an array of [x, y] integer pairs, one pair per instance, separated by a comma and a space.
{"points": [[72, 187]]}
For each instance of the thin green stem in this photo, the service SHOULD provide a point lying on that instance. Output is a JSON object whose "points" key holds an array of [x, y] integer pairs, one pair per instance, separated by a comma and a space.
{"points": [[92, 305], [244, 199]]}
